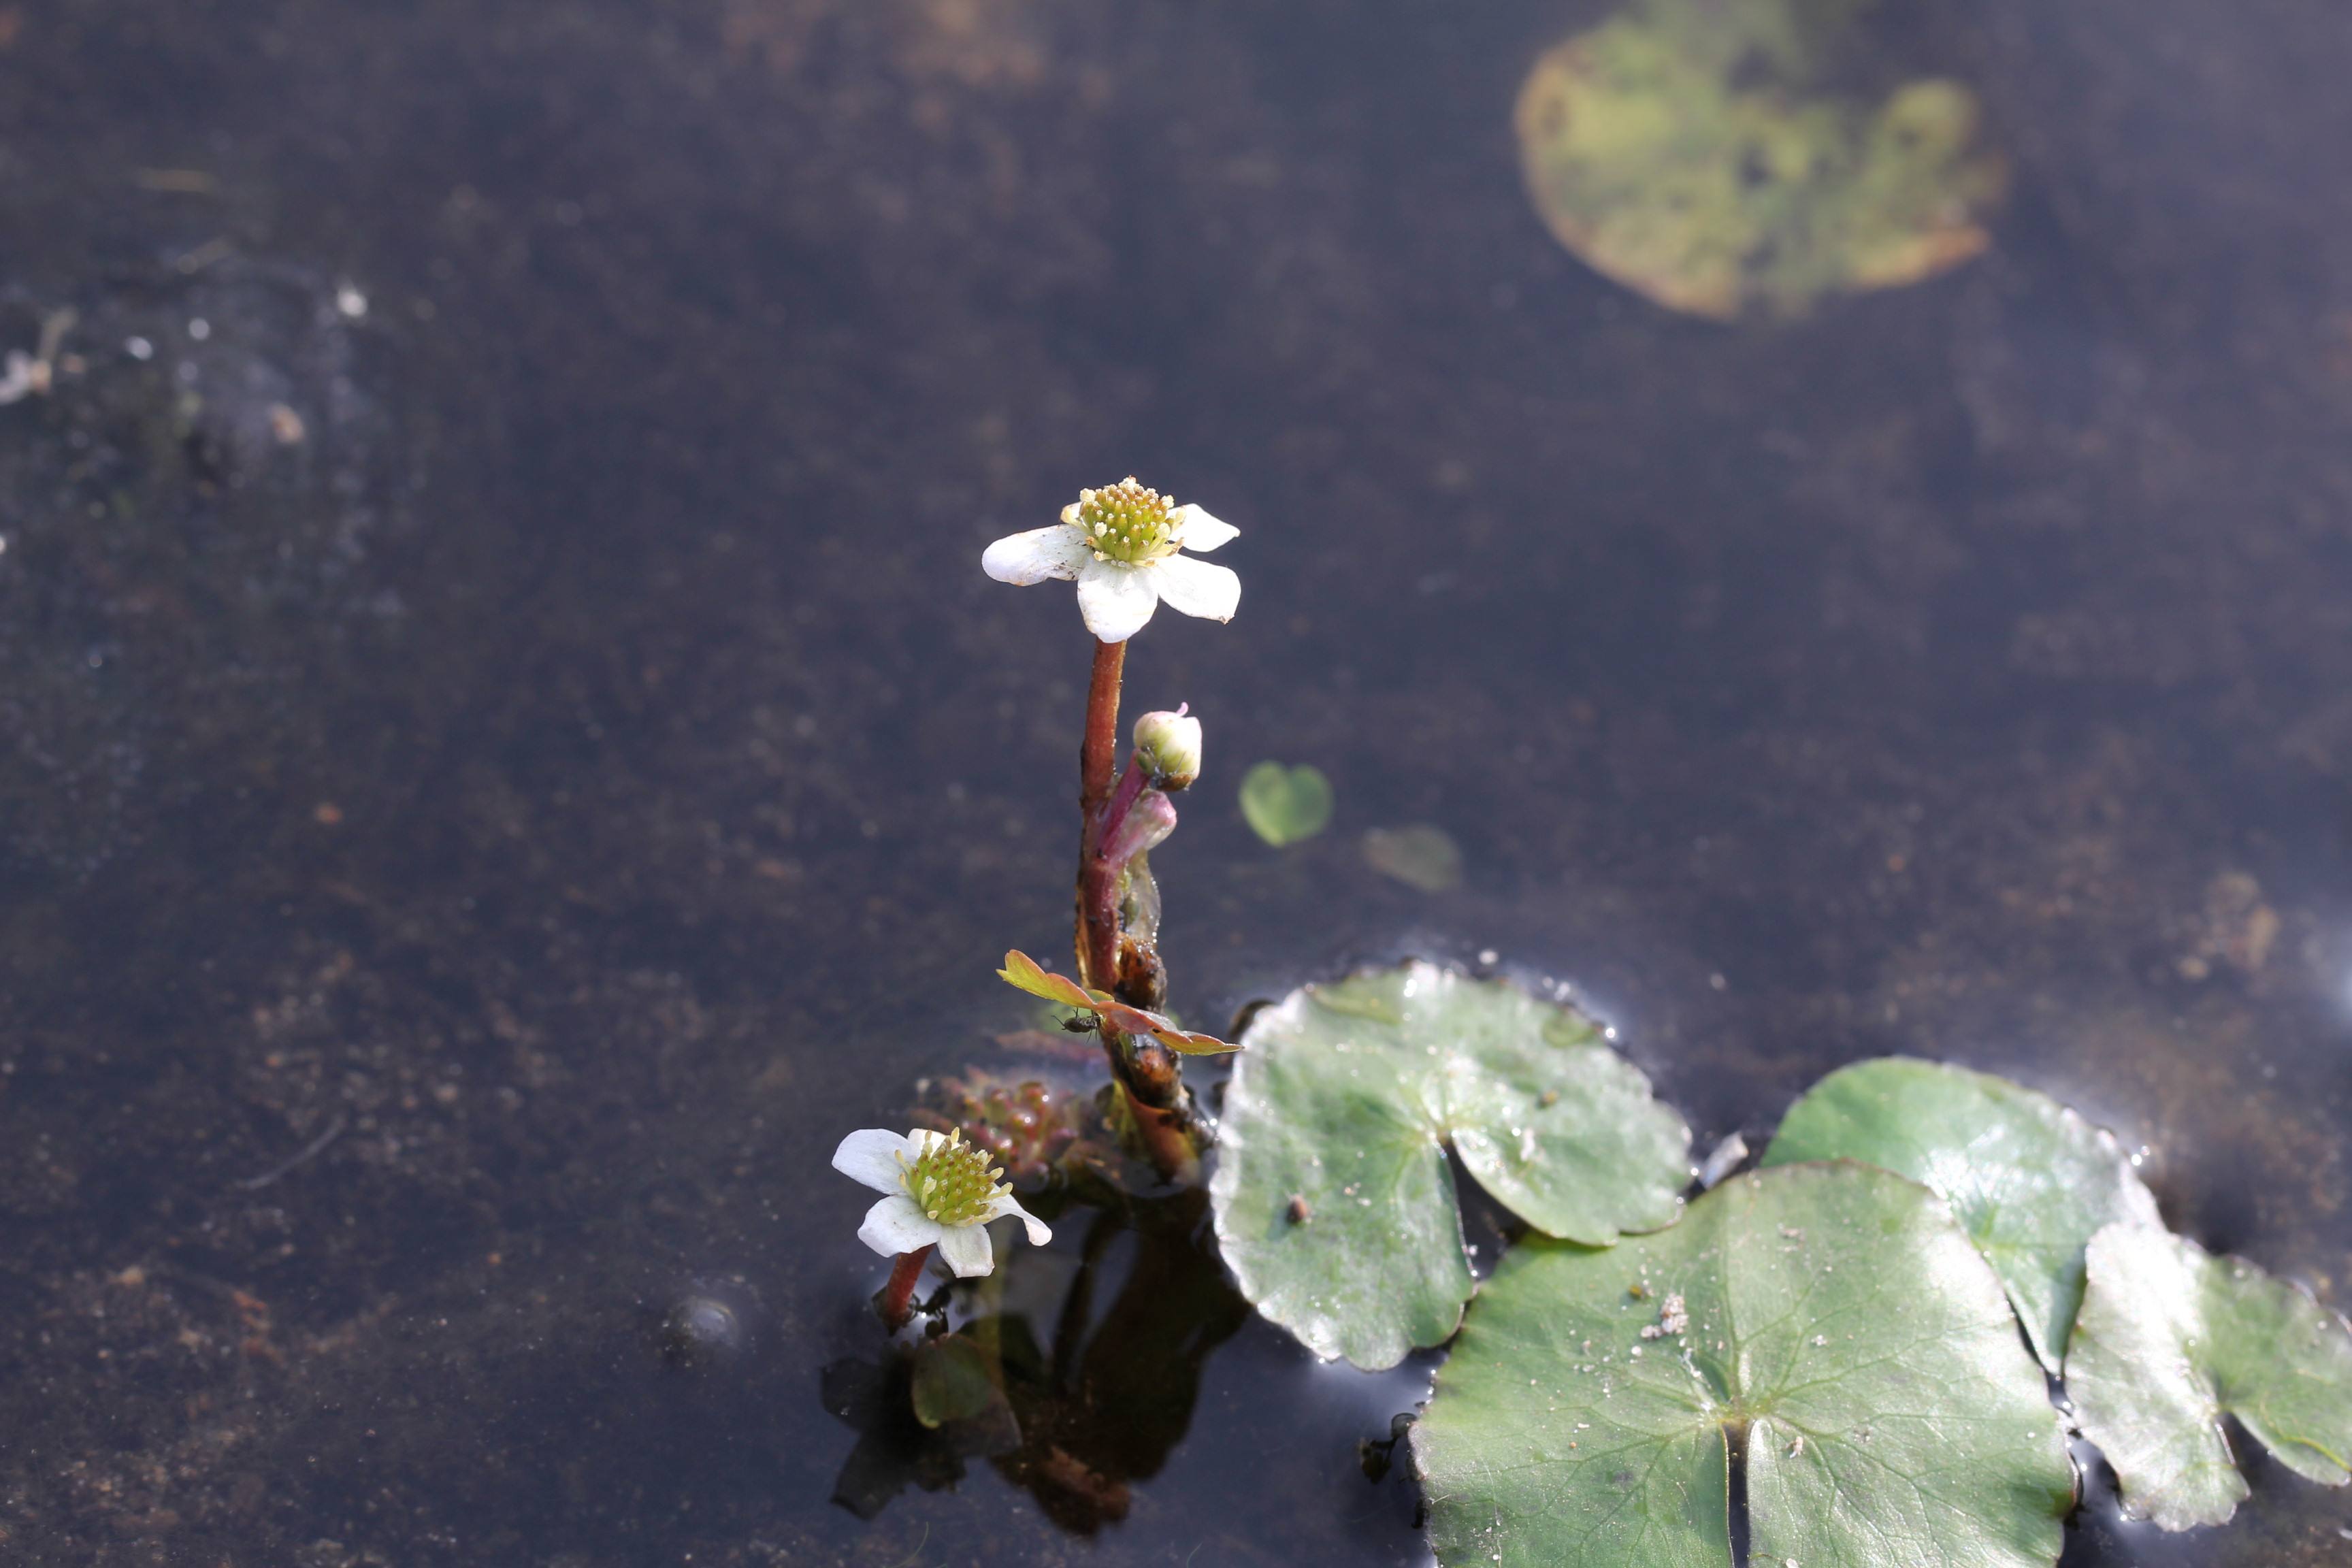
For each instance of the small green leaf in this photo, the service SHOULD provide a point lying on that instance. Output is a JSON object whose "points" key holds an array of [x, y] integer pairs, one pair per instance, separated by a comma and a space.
{"points": [[2030, 1180], [1419, 856], [1334, 1201], [1832, 1318], [1286, 805], [2172, 1337]]}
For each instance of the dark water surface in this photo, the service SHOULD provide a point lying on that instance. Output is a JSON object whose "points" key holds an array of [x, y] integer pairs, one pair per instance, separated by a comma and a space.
{"points": [[465, 867]]}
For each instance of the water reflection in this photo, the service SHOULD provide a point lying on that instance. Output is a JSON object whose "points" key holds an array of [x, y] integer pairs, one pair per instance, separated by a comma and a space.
{"points": [[1106, 1396], [895, 1449], [1094, 1358]]}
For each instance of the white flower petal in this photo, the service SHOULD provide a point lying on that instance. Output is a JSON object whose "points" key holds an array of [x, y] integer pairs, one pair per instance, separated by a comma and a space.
{"points": [[1022, 559], [967, 1251], [1038, 1234], [871, 1156], [1196, 529], [895, 1225], [1195, 587], [1117, 598]]}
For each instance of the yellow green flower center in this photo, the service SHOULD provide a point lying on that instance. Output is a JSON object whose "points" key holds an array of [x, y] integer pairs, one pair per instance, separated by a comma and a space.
{"points": [[1126, 522], [952, 1182]]}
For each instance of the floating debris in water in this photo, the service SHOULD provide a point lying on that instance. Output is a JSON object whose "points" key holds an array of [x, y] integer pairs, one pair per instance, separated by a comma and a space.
{"points": [[1674, 1318], [23, 374], [1726, 1157]]}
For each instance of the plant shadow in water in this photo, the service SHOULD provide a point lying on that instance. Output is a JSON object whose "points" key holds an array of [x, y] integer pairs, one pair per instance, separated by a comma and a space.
{"points": [[1096, 1393]]}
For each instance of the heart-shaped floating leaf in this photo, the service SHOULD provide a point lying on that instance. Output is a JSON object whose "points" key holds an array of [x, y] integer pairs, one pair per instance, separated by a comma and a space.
{"points": [[2030, 1180], [1022, 971], [2170, 1339], [1832, 1318], [1334, 1202], [1286, 805]]}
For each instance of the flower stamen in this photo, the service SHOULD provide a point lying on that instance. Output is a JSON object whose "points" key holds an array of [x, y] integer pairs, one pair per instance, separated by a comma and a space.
{"points": [[1126, 522], [951, 1182]]}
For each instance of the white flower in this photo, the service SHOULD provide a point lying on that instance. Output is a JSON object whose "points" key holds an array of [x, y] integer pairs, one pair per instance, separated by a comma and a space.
{"points": [[1120, 544], [942, 1193]]}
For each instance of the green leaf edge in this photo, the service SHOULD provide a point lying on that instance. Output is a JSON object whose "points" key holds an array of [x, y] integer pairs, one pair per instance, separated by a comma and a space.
{"points": [[1997, 1089], [1525, 1255], [1565, 1027]]}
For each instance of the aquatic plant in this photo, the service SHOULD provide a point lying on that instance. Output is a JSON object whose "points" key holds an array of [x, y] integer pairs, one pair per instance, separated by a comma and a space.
{"points": [[2170, 1340], [1819, 1344], [938, 1192], [1284, 805], [1334, 1200], [1121, 545], [2029, 1181], [1845, 1356], [1820, 1347]]}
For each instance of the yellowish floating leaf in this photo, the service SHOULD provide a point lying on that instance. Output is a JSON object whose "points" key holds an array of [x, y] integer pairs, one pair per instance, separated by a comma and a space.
{"points": [[1694, 151]]}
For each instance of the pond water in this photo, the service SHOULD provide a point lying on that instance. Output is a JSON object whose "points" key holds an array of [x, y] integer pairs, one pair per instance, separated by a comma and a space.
{"points": [[510, 754]]}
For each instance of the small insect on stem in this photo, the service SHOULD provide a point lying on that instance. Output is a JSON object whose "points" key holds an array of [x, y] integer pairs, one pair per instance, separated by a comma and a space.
{"points": [[1298, 1211], [1796, 1447]]}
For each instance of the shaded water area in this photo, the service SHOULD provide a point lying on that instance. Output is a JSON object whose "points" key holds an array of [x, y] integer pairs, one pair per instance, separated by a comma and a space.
{"points": [[508, 753]]}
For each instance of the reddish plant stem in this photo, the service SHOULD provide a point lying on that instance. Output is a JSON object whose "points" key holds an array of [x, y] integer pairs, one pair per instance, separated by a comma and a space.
{"points": [[1098, 918], [1145, 1069], [1099, 749], [897, 1301]]}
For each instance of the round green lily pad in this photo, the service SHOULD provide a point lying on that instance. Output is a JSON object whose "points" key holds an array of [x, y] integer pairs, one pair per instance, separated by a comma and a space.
{"points": [[1695, 153], [2169, 1340], [1829, 1323], [1334, 1201], [1283, 805], [2030, 1180]]}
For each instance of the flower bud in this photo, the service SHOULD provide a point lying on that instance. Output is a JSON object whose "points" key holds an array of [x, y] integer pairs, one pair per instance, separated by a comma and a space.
{"points": [[1168, 749], [1147, 824]]}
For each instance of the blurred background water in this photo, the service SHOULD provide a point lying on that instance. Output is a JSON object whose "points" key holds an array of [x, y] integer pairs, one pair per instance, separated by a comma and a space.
{"points": [[508, 753]]}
